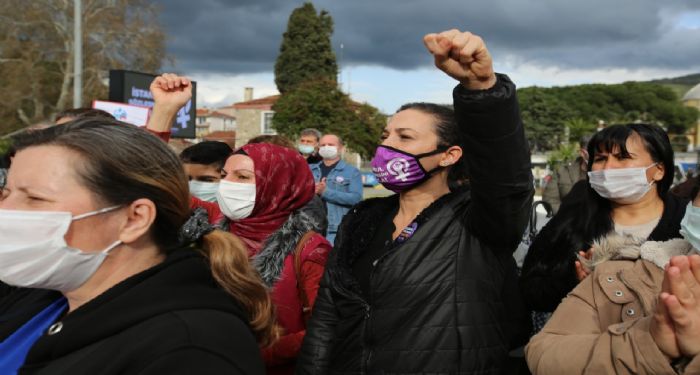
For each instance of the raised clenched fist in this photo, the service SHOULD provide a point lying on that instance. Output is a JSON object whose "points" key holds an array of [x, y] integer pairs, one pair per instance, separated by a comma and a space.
{"points": [[463, 56], [170, 90]]}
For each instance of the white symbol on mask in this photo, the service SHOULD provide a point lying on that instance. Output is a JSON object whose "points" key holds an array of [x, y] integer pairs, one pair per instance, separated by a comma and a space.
{"points": [[398, 167]]}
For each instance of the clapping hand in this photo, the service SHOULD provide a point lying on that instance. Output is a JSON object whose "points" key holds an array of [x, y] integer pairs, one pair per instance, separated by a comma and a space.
{"points": [[581, 271], [321, 186], [676, 323]]}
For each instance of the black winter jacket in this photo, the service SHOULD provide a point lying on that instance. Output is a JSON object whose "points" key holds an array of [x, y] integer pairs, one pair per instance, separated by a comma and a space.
{"points": [[446, 300], [170, 319]]}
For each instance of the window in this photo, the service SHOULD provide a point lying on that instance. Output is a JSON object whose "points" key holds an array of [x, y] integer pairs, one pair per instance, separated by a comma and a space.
{"points": [[229, 124], [266, 126], [201, 120]]}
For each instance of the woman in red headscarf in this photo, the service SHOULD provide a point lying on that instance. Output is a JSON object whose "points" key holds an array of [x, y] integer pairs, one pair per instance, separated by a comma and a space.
{"points": [[264, 198]]}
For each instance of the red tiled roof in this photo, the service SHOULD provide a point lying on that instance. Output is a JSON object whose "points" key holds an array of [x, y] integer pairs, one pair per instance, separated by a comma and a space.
{"points": [[219, 114], [206, 112], [228, 137], [262, 103], [221, 135]]}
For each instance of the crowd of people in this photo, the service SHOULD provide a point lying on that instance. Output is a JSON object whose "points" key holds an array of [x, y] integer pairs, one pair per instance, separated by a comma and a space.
{"points": [[118, 256]]}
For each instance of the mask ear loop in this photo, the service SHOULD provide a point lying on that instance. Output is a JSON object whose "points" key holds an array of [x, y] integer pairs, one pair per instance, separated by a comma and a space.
{"points": [[646, 169], [112, 246], [438, 150], [93, 213]]}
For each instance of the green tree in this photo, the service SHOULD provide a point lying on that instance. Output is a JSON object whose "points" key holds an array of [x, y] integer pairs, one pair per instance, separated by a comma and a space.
{"points": [[4, 146], [543, 115], [306, 53], [565, 153], [305, 74], [320, 104], [36, 53], [579, 127], [548, 112]]}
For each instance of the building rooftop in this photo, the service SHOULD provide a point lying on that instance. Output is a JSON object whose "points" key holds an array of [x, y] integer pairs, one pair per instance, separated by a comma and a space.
{"points": [[261, 103], [692, 94], [206, 112]]}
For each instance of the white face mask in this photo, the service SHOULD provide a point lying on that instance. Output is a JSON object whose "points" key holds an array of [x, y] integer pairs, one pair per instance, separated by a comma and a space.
{"points": [[690, 226], [236, 199], [328, 152], [34, 253], [205, 191], [623, 185]]}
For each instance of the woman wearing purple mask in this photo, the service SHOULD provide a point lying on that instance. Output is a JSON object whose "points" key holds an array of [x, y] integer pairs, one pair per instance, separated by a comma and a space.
{"points": [[424, 281]]}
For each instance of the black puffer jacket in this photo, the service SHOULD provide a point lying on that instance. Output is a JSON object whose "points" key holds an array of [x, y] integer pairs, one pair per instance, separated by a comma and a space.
{"points": [[444, 301]]}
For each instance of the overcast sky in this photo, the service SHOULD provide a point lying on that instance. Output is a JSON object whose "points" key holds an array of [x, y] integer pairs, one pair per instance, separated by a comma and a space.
{"points": [[227, 45]]}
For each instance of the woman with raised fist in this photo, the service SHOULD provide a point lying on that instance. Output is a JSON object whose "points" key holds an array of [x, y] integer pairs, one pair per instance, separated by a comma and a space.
{"points": [[424, 281]]}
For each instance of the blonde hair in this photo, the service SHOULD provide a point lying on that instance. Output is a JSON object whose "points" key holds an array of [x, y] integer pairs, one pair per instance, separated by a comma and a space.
{"points": [[231, 268]]}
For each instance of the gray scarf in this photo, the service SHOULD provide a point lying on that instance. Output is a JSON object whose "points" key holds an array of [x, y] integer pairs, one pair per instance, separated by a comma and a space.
{"points": [[270, 260]]}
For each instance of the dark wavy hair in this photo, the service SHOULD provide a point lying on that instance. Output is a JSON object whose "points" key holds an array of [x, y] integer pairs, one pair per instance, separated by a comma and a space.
{"points": [[583, 217]]}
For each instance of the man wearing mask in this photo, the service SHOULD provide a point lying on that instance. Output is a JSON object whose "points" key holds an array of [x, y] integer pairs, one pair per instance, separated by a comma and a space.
{"points": [[308, 145], [337, 183], [203, 163], [566, 176]]}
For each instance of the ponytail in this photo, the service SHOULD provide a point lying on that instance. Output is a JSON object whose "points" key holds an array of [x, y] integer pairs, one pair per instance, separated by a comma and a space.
{"points": [[231, 268]]}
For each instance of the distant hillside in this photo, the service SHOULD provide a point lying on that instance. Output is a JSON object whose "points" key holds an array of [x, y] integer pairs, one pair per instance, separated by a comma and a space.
{"points": [[680, 85], [691, 80]]}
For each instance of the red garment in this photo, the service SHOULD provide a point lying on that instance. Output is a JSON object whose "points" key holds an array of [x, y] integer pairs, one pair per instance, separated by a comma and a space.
{"points": [[164, 136], [280, 358], [283, 184]]}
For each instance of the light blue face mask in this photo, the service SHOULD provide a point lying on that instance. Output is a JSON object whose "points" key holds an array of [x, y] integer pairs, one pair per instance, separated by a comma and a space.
{"points": [[306, 149], [205, 191], [690, 226]]}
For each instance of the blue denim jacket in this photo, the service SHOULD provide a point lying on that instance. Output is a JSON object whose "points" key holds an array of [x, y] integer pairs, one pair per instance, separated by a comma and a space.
{"points": [[343, 190]]}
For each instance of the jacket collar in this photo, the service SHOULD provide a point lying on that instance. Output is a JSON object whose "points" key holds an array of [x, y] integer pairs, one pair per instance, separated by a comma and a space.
{"points": [[670, 223], [360, 226], [618, 247], [269, 262], [338, 167]]}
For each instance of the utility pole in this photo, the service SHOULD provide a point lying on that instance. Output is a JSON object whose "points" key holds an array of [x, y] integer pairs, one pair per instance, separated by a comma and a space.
{"points": [[78, 54]]}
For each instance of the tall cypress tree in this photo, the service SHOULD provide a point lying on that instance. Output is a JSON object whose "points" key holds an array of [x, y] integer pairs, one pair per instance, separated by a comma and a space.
{"points": [[306, 76], [306, 53]]}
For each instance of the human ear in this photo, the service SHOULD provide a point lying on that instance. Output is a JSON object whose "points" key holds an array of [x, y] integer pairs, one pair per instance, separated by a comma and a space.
{"points": [[451, 156], [659, 172], [141, 214]]}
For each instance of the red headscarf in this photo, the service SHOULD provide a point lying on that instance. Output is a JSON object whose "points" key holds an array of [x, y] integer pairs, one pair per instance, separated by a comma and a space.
{"points": [[283, 184]]}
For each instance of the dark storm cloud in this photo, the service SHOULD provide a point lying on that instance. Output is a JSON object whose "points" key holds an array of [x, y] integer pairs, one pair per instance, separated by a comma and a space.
{"points": [[241, 36]]}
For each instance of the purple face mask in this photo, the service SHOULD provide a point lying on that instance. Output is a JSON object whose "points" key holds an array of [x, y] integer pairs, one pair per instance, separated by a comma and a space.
{"points": [[398, 170]]}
